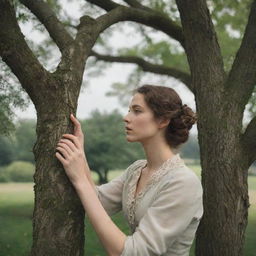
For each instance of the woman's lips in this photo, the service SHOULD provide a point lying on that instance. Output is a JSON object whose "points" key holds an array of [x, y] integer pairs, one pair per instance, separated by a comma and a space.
{"points": [[128, 129]]}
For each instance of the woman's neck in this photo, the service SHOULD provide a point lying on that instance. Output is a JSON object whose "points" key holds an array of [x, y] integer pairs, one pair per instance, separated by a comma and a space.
{"points": [[157, 151]]}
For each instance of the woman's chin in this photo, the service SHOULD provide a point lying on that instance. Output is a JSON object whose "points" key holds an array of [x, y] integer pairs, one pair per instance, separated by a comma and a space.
{"points": [[130, 139]]}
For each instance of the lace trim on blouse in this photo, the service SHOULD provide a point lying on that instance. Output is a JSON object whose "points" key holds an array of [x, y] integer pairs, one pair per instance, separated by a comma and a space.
{"points": [[133, 200]]}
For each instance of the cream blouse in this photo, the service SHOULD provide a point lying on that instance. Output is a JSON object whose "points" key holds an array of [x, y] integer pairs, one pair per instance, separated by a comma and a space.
{"points": [[164, 216]]}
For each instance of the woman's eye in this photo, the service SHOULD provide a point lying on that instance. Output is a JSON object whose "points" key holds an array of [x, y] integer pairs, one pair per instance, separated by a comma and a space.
{"points": [[134, 110]]}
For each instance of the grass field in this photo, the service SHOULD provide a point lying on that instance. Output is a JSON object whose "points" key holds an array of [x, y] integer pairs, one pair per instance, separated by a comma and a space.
{"points": [[16, 206]]}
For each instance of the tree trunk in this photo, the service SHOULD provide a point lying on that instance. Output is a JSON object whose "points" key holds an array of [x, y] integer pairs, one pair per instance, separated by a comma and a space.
{"points": [[58, 219], [103, 176], [224, 178]]}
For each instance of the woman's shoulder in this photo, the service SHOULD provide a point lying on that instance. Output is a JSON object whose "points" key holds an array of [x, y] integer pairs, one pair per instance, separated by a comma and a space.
{"points": [[176, 167], [183, 178]]}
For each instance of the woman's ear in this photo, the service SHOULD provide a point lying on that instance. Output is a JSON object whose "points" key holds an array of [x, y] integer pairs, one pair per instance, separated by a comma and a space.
{"points": [[163, 123]]}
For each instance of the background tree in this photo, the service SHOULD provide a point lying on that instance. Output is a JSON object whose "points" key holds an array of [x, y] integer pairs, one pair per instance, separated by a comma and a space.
{"points": [[221, 92], [106, 147], [24, 140], [191, 148], [6, 151]]}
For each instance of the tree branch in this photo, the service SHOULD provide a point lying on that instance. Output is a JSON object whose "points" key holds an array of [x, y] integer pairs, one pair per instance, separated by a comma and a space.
{"points": [[16, 53], [201, 44], [86, 37], [242, 77], [149, 18], [249, 140], [48, 18], [147, 67]]}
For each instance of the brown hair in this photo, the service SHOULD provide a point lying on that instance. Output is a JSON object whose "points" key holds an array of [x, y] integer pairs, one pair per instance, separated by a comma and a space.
{"points": [[166, 104]]}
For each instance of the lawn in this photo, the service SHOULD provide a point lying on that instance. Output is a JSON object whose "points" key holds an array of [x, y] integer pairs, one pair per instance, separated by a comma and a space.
{"points": [[16, 206]]}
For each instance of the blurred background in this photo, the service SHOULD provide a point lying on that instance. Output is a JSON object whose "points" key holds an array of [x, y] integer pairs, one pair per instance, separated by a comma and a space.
{"points": [[103, 101]]}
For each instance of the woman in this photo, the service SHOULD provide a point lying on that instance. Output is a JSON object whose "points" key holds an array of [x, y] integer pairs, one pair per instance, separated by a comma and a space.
{"points": [[161, 197]]}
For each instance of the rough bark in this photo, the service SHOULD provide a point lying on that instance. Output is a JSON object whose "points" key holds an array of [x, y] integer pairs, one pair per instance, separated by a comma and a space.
{"points": [[224, 178], [223, 159], [58, 219]]}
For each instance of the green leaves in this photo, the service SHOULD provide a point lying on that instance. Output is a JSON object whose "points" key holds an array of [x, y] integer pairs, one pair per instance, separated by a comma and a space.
{"points": [[11, 96]]}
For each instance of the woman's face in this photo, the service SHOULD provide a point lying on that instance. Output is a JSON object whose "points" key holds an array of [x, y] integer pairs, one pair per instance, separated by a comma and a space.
{"points": [[140, 124]]}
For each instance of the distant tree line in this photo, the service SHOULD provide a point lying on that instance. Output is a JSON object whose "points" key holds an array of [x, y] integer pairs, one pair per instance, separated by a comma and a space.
{"points": [[105, 146], [18, 146]]}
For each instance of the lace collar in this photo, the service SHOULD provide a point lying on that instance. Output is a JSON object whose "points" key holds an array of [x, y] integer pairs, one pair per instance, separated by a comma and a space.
{"points": [[170, 164]]}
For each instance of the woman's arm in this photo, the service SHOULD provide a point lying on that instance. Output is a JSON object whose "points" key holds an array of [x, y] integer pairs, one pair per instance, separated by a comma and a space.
{"points": [[73, 159], [110, 235]]}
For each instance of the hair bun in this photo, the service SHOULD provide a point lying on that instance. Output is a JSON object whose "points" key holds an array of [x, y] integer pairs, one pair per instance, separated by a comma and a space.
{"points": [[188, 116]]}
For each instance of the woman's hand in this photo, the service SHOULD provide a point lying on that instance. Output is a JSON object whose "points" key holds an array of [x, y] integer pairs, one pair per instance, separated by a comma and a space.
{"points": [[70, 153]]}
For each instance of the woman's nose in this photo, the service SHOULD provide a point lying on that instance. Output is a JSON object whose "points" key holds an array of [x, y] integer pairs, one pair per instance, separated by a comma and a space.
{"points": [[125, 118]]}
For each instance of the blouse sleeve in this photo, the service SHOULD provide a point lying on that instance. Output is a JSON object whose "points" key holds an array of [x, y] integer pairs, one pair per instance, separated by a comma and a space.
{"points": [[178, 203], [110, 194]]}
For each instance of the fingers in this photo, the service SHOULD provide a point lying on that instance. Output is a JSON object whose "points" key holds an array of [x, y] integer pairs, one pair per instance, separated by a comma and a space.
{"points": [[73, 138], [67, 144], [66, 148], [76, 122], [63, 151], [61, 158]]}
